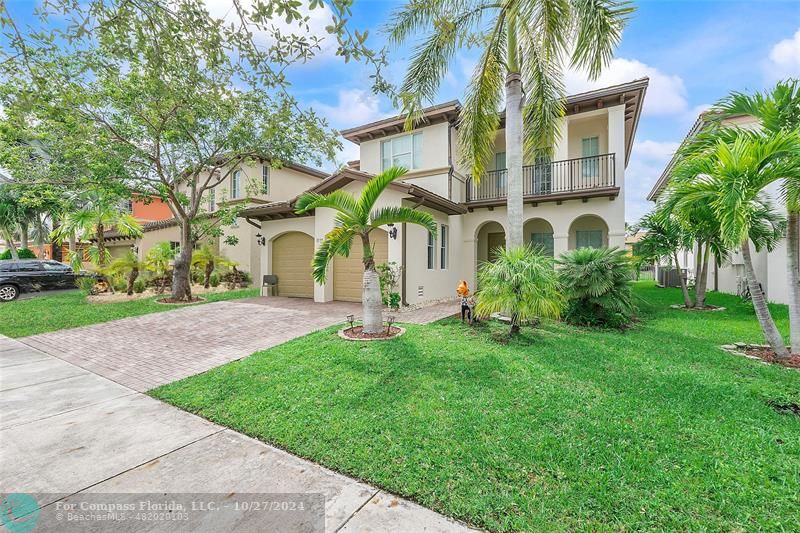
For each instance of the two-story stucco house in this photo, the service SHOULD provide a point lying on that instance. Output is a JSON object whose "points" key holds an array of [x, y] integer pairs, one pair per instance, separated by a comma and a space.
{"points": [[575, 200], [729, 276]]}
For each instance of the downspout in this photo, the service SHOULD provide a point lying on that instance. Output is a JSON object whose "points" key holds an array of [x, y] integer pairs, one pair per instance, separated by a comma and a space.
{"points": [[450, 162], [403, 261], [252, 223]]}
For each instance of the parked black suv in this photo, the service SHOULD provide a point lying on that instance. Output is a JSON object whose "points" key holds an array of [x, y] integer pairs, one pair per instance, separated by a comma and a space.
{"points": [[33, 275]]}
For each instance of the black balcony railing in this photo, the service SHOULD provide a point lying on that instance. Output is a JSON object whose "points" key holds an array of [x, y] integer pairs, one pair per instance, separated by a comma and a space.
{"points": [[542, 179]]}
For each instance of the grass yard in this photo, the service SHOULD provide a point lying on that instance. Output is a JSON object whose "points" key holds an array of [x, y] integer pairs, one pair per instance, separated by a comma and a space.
{"points": [[562, 429], [21, 318]]}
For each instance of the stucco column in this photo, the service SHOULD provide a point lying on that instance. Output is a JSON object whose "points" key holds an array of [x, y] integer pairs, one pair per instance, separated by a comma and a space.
{"points": [[560, 243], [616, 239], [323, 223], [469, 264]]}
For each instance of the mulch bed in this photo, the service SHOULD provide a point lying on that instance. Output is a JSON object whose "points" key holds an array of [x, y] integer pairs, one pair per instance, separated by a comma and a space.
{"points": [[704, 308], [173, 301], [762, 352], [358, 333]]}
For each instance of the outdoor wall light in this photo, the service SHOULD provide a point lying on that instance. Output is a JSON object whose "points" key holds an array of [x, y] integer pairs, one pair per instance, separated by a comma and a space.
{"points": [[392, 231], [260, 239], [351, 319]]}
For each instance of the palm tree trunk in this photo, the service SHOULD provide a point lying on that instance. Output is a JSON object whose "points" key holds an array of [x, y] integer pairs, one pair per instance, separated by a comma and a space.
{"points": [[687, 300], [132, 279], [702, 280], [101, 245], [793, 276], [10, 243], [181, 286], [207, 278], [765, 320], [514, 202], [371, 304], [23, 234]]}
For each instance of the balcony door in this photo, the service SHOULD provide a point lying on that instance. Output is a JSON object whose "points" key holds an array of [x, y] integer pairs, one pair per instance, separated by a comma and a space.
{"points": [[500, 174], [590, 149]]}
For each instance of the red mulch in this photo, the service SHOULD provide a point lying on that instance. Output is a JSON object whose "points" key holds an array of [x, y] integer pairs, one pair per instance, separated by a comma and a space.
{"points": [[769, 356], [194, 300], [357, 333]]}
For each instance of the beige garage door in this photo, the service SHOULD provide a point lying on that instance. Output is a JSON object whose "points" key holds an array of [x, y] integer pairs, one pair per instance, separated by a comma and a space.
{"points": [[291, 262], [348, 272]]}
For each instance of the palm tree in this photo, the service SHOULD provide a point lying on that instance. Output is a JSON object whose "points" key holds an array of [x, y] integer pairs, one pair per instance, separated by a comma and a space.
{"points": [[10, 214], [129, 265], [526, 46], [207, 259], [359, 217], [157, 260], [99, 212], [778, 111], [730, 176], [520, 282]]}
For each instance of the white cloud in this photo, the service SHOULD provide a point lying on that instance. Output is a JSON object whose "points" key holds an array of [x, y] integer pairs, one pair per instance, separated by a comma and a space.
{"points": [[784, 59], [318, 19], [666, 94], [648, 160], [353, 108]]}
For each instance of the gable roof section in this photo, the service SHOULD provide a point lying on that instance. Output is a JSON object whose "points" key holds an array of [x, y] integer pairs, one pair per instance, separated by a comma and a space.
{"points": [[631, 94], [424, 197]]}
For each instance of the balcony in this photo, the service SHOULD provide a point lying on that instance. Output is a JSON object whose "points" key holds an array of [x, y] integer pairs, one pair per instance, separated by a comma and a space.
{"points": [[583, 177]]}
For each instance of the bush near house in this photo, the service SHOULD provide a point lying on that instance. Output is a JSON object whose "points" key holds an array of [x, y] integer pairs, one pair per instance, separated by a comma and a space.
{"points": [[24, 253]]}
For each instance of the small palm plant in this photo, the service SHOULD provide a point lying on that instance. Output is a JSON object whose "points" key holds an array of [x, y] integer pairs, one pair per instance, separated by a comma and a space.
{"points": [[520, 282], [128, 265], [359, 217], [206, 259], [597, 284], [158, 260]]}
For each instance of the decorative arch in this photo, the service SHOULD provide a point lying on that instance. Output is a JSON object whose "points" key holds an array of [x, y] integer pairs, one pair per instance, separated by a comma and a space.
{"points": [[588, 231], [539, 232]]}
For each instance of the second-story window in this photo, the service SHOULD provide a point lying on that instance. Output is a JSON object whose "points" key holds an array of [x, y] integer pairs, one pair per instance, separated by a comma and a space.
{"points": [[404, 151], [431, 251], [443, 247], [265, 179], [236, 184], [126, 206]]}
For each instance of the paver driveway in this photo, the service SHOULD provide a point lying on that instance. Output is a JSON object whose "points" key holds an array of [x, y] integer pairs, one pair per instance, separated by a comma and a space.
{"points": [[147, 351]]}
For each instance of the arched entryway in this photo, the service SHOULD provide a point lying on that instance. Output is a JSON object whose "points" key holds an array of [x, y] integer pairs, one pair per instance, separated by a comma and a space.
{"points": [[489, 238], [348, 272], [292, 253], [588, 231], [539, 233]]}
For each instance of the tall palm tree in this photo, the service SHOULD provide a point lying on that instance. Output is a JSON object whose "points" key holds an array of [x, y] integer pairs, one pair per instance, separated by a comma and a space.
{"points": [[778, 110], [731, 175], [99, 212], [358, 217], [526, 46]]}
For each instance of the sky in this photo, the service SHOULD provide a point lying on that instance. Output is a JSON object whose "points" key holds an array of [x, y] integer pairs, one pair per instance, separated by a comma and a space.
{"points": [[694, 52]]}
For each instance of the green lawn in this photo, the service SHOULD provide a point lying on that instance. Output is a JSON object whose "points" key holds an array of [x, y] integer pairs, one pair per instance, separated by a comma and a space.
{"points": [[71, 309], [563, 429]]}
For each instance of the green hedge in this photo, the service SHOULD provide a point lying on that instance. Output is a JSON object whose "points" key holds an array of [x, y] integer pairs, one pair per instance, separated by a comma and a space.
{"points": [[24, 253]]}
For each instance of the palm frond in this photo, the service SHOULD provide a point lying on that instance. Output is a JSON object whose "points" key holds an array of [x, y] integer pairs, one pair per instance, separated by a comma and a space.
{"points": [[337, 242], [542, 76], [598, 28], [373, 189], [340, 200], [399, 215]]}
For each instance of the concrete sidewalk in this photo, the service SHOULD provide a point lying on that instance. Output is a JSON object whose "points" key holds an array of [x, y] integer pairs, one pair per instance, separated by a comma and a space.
{"points": [[67, 431]]}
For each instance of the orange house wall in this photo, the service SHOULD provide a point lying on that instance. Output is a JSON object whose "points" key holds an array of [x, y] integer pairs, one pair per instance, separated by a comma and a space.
{"points": [[155, 210]]}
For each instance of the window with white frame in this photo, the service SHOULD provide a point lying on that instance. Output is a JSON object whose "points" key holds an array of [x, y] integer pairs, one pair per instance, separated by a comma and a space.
{"points": [[265, 179], [404, 151], [236, 184], [431, 251], [443, 244]]}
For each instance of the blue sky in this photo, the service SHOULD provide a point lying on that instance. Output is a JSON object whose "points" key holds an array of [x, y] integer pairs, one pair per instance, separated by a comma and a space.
{"points": [[693, 51]]}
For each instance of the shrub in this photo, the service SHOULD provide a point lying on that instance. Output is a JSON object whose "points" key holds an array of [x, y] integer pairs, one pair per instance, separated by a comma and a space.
{"points": [[388, 277], [394, 300], [23, 253], [86, 284], [139, 286], [521, 283], [215, 279], [597, 284], [236, 278]]}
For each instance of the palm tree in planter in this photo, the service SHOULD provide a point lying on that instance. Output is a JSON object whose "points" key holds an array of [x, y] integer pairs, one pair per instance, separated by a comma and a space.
{"points": [[527, 45], [521, 283], [128, 265], [730, 175], [358, 217], [158, 260], [206, 259]]}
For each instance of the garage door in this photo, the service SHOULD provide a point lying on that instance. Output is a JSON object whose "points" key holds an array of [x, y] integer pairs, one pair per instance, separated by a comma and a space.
{"points": [[291, 262], [348, 272]]}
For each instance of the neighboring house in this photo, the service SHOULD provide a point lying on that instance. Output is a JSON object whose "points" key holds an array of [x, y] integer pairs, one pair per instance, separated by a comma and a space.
{"points": [[729, 277], [575, 200], [254, 184]]}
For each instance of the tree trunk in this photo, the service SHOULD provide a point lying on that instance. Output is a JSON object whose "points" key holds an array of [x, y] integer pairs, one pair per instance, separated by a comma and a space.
{"points": [[371, 304], [793, 276], [101, 245], [23, 235], [181, 282], [209, 271], [514, 202], [702, 280], [10, 243], [132, 279], [765, 320], [687, 300]]}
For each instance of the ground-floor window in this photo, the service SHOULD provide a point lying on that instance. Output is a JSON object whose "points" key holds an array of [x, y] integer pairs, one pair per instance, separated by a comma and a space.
{"points": [[589, 238], [543, 242], [431, 251], [444, 242]]}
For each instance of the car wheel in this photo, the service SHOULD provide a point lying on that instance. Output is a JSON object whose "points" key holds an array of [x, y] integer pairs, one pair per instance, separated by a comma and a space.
{"points": [[8, 293]]}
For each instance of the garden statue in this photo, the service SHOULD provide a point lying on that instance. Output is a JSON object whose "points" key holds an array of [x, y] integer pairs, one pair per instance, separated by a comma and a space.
{"points": [[467, 301]]}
